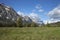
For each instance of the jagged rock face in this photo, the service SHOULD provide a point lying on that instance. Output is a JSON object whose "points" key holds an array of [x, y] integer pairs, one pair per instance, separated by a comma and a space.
{"points": [[27, 19], [7, 14]]}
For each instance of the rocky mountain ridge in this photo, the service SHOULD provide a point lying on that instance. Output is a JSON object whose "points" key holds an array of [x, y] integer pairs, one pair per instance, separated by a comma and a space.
{"points": [[9, 16]]}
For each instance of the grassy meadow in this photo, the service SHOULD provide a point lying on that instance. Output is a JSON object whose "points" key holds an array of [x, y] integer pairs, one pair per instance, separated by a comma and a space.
{"points": [[30, 33]]}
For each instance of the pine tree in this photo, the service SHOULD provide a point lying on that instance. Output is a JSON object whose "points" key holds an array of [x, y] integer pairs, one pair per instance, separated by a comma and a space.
{"points": [[19, 22]]}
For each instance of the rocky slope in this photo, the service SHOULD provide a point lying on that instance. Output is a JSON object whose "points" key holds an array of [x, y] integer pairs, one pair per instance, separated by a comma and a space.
{"points": [[7, 15]]}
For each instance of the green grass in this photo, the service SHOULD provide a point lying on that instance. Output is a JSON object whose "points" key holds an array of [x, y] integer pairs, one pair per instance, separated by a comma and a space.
{"points": [[30, 33]]}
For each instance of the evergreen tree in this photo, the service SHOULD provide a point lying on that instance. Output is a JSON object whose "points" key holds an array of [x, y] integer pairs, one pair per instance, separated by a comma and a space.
{"points": [[19, 22]]}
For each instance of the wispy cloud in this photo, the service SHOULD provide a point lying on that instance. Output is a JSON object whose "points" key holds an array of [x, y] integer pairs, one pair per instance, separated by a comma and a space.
{"points": [[41, 10], [21, 13], [38, 8], [55, 13], [35, 17], [50, 21]]}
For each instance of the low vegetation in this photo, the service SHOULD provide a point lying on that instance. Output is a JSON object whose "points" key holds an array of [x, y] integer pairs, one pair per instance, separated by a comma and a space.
{"points": [[30, 33]]}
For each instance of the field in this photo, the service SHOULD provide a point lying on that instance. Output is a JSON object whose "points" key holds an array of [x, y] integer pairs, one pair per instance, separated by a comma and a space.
{"points": [[30, 33]]}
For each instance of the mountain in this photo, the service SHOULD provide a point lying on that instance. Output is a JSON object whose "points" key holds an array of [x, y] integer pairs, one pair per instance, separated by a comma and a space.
{"points": [[26, 19], [8, 15]]}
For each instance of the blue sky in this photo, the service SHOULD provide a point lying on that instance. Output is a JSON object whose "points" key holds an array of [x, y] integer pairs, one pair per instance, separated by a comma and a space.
{"points": [[40, 7]]}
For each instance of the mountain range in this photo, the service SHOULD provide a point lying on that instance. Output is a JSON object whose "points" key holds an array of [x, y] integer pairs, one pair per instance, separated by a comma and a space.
{"points": [[8, 16]]}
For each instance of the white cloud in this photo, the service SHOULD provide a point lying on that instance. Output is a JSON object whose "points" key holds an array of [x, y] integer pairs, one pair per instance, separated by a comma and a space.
{"points": [[41, 10], [50, 21], [55, 13], [35, 17], [45, 21], [53, 21], [38, 6], [21, 13]]}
